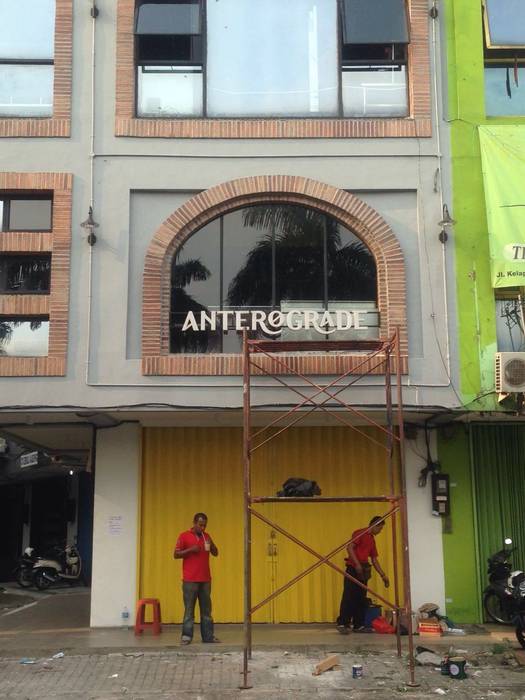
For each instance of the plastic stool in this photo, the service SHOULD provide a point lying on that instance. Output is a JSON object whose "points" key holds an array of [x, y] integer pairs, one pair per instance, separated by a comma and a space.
{"points": [[140, 625]]}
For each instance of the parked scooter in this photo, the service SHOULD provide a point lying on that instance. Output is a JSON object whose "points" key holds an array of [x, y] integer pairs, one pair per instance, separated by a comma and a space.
{"points": [[502, 598], [66, 566], [24, 568]]}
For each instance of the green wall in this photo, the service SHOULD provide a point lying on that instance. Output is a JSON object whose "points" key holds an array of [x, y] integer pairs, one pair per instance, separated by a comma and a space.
{"points": [[462, 585], [475, 297]]}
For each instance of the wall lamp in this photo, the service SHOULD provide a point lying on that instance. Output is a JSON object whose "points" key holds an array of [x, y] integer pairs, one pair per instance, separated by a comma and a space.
{"points": [[90, 224], [445, 222]]}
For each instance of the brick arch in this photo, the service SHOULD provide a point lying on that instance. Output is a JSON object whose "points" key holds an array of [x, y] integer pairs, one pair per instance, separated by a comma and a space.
{"points": [[346, 208]]}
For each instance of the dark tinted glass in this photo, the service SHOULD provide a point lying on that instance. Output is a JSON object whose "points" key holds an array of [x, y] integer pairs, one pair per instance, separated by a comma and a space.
{"points": [[29, 215], [23, 337], [299, 266], [368, 53], [351, 267], [265, 257], [169, 48], [25, 273], [168, 18], [195, 286], [374, 22]]}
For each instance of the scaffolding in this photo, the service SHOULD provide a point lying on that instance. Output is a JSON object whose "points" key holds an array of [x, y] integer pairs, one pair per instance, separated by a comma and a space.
{"points": [[379, 357]]}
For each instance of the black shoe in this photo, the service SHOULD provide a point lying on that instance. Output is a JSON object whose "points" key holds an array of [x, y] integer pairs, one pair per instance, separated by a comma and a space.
{"points": [[343, 629]]}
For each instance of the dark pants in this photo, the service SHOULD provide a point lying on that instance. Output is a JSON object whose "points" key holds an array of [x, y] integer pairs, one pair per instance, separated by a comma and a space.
{"points": [[353, 602], [191, 592]]}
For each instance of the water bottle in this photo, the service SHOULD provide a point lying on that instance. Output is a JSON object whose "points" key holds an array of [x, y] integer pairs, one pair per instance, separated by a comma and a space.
{"points": [[125, 618]]}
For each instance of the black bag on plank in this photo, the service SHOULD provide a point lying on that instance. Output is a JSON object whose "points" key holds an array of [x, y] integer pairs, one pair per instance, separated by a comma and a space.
{"points": [[299, 488]]}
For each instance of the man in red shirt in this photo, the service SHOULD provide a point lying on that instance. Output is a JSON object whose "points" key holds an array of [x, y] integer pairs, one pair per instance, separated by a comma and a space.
{"points": [[353, 602], [194, 548]]}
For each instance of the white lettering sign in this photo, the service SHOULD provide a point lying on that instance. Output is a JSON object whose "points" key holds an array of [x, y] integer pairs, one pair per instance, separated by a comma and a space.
{"points": [[273, 322]]}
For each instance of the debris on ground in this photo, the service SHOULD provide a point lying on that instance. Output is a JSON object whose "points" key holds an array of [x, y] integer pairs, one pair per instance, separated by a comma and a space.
{"points": [[326, 664], [58, 655], [427, 657], [509, 660], [27, 661], [440, 691]]}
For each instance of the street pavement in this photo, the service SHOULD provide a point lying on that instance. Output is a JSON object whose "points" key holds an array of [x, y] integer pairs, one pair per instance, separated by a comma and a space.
{"points": [[48, 650], [208, 676]]}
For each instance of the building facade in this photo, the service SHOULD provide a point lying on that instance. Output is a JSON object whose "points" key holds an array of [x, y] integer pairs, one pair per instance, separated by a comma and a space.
{"points": [[485, 45], [190, 163]]}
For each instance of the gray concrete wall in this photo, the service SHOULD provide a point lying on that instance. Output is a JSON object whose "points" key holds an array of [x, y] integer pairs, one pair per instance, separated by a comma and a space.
{"points": [[138, 182]]}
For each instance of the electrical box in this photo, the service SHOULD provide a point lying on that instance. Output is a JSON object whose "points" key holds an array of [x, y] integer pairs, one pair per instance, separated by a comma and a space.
{"points": [[440, 494]]}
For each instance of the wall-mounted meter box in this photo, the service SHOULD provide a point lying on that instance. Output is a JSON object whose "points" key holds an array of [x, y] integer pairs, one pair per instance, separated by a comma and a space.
{"points": [[440, 494]]}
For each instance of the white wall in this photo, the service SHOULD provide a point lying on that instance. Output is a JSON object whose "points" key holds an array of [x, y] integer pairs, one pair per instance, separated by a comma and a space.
{"points": [[427, 577], [115, 531]]}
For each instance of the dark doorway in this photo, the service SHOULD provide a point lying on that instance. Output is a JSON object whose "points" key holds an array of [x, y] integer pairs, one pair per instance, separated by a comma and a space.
{"points": [[11, 527], [49, 514]]}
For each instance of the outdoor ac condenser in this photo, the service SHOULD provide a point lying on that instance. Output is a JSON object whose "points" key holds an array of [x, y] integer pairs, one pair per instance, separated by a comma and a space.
{"points": [[510, 372]]}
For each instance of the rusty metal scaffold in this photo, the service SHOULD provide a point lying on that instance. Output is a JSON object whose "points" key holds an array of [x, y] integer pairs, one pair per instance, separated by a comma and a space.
{"points": [[381, 356]]}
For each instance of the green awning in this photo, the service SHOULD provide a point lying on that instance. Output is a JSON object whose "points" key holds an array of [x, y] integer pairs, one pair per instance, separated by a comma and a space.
{"points": [[503, 164]]}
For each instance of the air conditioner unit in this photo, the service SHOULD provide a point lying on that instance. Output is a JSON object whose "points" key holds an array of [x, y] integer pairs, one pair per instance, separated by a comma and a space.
{"points": [[510, 372]]}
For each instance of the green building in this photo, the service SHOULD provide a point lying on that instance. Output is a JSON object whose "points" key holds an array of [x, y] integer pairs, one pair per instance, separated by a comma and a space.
{"points": [[484, 42]]}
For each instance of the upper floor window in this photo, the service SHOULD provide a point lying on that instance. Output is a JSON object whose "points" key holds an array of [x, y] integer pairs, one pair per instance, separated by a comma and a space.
{"points": [[25, 212], [239, 58], [275, 260], [24, 336], [27, 37], [510, 327], [504, 28], [29, 273]]}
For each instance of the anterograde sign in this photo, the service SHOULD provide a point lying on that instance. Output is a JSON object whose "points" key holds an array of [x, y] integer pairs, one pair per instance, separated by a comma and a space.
{"points": [[273, 322]]}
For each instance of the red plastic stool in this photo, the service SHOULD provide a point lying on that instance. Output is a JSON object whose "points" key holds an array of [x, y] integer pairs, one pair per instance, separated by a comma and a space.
{"points": [[140, 625]]}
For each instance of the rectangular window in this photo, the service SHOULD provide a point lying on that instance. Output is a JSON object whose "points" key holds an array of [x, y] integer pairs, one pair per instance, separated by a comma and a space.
{"points": [[504, 29], [374, 58], [25, 213], [169, 59], [272, 58], [269, 58], [25, 274], [24, 337], [26, 57], [509, 320]]}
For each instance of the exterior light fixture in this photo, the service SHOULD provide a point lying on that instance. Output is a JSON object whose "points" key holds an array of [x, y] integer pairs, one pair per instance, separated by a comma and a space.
{"points": [[445, 222], [90, 224]]}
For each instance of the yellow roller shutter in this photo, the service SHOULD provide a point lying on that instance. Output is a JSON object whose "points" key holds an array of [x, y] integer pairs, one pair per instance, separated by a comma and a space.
{"points": [[186, 470]]}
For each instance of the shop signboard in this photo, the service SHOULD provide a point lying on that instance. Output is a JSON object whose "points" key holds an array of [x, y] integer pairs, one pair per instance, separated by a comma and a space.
{"points": [[503, 162]]}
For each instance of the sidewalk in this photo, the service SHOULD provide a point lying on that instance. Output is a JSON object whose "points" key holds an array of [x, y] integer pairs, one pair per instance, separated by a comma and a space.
{"points": [[99, 664]]}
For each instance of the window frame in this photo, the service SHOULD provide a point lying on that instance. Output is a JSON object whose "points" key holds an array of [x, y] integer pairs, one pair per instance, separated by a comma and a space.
{"points": [[8, 197], [274, 304], [57, 244], [416, 124], [343, 66], [59, 123], [34, 256]]}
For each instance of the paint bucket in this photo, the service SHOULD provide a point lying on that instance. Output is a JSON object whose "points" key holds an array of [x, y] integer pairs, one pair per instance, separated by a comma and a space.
{"points": [[456, 667], [357, 671]]}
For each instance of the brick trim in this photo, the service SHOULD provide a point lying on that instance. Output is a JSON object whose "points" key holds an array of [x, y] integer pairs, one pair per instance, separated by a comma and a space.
{"points": [[348, 209], [60, 123], [56, 303], [417, 124]]}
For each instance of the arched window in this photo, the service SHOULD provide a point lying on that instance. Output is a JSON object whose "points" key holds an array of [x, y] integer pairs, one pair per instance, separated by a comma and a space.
{"points": [[275, 257]]}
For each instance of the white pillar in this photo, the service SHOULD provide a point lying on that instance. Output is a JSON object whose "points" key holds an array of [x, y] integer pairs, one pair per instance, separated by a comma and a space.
{"points": [[115, 528], [427, 574]]}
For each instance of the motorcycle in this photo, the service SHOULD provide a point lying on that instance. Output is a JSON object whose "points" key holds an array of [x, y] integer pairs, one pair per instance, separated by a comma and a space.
{"points": [[65, 566], [24, 569], [502, 598]]}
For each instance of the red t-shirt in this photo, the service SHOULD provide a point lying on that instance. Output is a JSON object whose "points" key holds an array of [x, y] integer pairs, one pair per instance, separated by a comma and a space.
{"points": [[195, 566], [364, 546]]}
